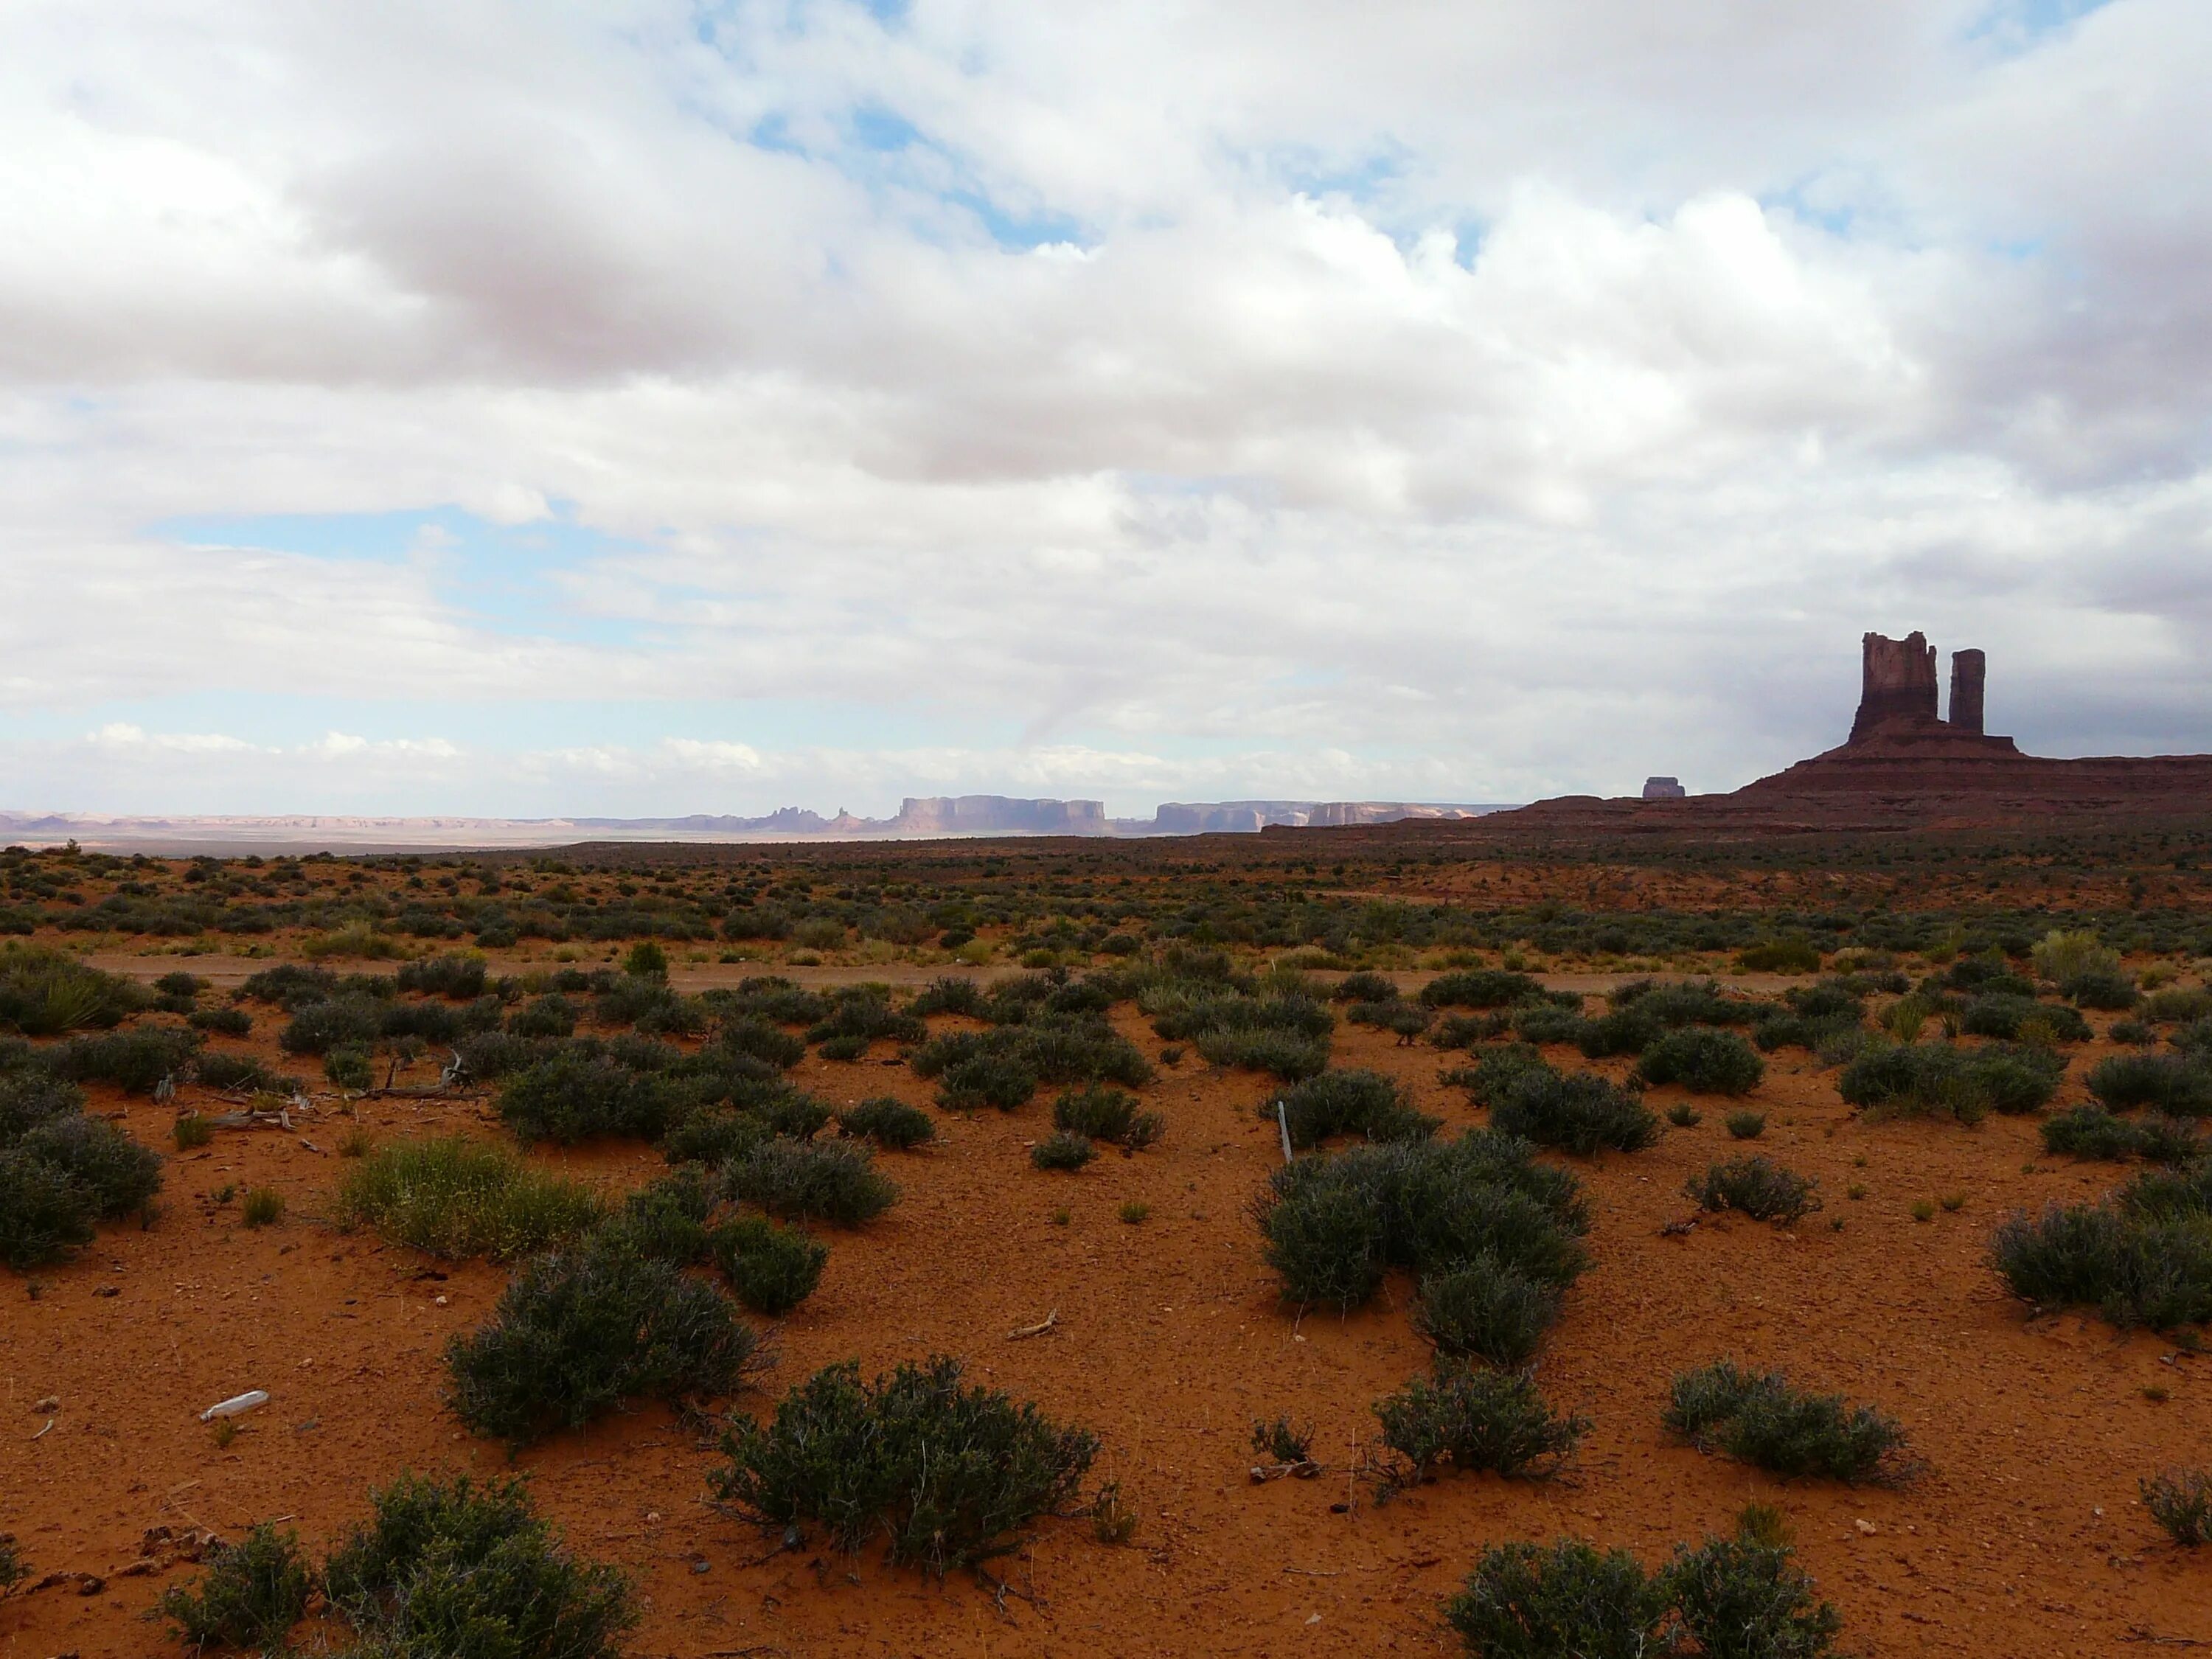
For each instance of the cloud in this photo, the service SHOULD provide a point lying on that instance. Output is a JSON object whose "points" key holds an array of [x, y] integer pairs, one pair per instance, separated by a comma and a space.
{"points": [[1404, 400]]}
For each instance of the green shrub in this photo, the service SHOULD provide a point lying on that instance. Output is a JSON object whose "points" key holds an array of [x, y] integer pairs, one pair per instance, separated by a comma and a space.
{"points": [[1745, 1598], [576, 1334], [2179, 1086], [1003, 1080], [459, 976], [861, 1015], [1283, 1442], [2180, 1500], [2004, 1015], [665, 1220], [951, 995], [457, 1198], [1760, 1419], [1476, 1419], [771, 1269], [2101, 989], [2142, 1258], [1569, 1601], [548, 1016], [646, 960], [349, 1065], [1494, 1068], [250, 1594], [13, 1571], [1289, 1056], [713, 1137], [44, 1215], [318, 1027], [1780, 956], [1618, 1031], [1943, 1079], [1761, 1189], [1704, 1061], [833, 1181], [948, 1475], [469, 1570], [1349, 1103], [1062, 1150], [135, 1061], [2162, 1139], [1109, 1114], [1481, 988], [1332, 1227], [229, 1021], [1466, 1030], [44, 992], [2089, 1132], [1579, 1113], [290, 986], [1745, 1126], [888, 1122], [571, 1097], [1483, 1309], [1548, 1022], [117, 1176]]}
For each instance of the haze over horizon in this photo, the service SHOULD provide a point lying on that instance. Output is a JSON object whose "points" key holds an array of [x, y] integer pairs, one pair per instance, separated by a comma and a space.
{"points": [[657, 409]]}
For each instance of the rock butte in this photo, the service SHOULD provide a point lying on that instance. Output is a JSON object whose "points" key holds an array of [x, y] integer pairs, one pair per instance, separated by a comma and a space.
{"points": [[1903, 768]]}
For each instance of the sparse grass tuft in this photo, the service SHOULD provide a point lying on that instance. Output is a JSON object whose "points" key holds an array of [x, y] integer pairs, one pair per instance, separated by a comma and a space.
{"points": [[263, 1206], [457, 1198], [2180, 1500]]}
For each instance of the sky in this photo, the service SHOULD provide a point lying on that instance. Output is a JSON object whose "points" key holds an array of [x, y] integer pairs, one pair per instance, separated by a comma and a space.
{"points": [[648, 408]]}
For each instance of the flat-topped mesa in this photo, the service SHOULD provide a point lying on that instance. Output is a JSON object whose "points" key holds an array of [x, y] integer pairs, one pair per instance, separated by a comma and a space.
{"points": [[1897, 682]]}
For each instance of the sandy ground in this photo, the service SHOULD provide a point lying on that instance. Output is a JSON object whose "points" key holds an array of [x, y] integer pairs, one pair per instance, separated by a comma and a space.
{"points": [[2023, 1535]]}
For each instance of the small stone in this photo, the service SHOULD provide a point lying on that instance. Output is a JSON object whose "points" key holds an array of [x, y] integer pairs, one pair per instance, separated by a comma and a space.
{"points": [[1866, 1528], [53, 1402]]}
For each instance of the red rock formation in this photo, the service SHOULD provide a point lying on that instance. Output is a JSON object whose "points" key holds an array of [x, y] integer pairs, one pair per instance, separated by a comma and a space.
{"points": [[1968, 669], [1897, 680]]}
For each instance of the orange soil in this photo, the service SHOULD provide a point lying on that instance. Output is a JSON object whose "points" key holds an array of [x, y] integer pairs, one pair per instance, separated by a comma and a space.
{"points": [[2022, 1536]]}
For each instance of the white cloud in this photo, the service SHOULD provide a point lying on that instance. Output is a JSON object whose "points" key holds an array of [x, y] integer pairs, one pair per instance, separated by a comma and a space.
{"points": [[1402, 400]]}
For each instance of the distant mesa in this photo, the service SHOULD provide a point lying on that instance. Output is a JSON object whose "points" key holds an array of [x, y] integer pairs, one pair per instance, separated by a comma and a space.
{"points": [[919, 817], [1664, 789]]}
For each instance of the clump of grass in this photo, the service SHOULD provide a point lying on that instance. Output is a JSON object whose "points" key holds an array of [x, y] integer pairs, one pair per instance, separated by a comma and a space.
{"points": [[459, 1567], [45, 993], [1923, 1209], [1760, 1419], [263, 1206], [1758, 1188], [1358, 1103], [1683, 1116], [890, 1123], [1704, 1061], [1135, 1212], [947, 1474], [457, 1198], [13, 1570], [832, 1181], [576, 1334], [1283, 1442], [1062, 1150], [2180, 1500], [1113, 1519], [1745, 1126], [250, 1594]]}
